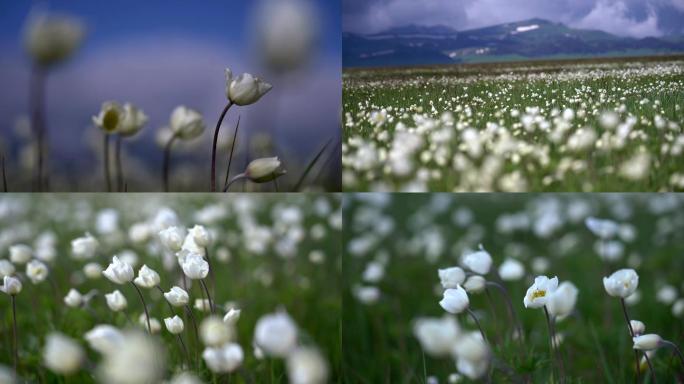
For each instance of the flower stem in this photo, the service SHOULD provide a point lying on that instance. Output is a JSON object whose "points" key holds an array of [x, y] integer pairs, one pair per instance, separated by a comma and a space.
{"points": [[234, 179], [509, 305], [38, 121], [167, 161], [551, 336], [213, 148], [211, 304], [167, 302], [105, 148], [211, 272], [119, 169], [147, 315], [184, 348], [14, 332], [194, 326], [676, 349], [230, 157], [477, 322], [636, 352]]}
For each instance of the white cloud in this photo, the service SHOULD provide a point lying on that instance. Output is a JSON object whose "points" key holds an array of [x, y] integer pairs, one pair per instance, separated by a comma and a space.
{"points": [[612, 17]]}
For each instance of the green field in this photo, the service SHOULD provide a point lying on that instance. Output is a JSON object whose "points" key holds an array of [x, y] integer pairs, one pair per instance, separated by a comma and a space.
{"points": [[269, 253], [573, 125], [411, 236]]}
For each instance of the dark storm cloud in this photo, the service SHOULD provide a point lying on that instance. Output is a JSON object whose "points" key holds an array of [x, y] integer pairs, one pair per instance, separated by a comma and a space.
{"points": [[636, 18]]}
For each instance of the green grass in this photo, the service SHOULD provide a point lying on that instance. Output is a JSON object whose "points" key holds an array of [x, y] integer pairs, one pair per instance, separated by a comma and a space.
{"points": [[258, 283], [379, 345], [491, 91]]}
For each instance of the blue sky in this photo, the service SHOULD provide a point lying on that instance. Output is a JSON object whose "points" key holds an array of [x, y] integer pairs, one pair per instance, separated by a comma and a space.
{"points": [[160, 54]]}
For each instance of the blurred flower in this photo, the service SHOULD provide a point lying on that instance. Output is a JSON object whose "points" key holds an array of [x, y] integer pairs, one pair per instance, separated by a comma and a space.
{"points": [[538, 293], [479, 262], [637, 327], [455, 300], [214, 332], [511, 270], [226, 358], [172, 238], [437, 336], [307, 366], [177, 297], [83, 248], [92, 270], [109, 118], [11, 285], [561, 302], [264, 169], [51, 39], [621, 283], [6, 268], [119, 272], [451, 277], [200, 235], [147, 278], [286, 32], [62, 354], [73, 298], [186, 123], [276, 334], [138, 360], [36, 271], [20, 253], [647, 342], [475, 284], [604, 229], [132, 120], [104, 338], [245, 89], [116, 301], [232, 316], [174, 324]]}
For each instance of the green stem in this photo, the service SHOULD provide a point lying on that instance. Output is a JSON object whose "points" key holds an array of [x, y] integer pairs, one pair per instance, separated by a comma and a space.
{"points": [[167, 161], [14, 333], [105, 148], [213, 148], [147, 315]]}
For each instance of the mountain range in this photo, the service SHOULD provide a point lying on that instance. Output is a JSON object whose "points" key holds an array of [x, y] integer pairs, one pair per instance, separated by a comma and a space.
{"points": [[528, 39]]}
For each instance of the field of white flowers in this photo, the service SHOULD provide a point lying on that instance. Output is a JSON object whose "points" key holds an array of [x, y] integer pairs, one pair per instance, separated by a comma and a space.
{"points": [[178, 289], [427, 276], [596, 125]]}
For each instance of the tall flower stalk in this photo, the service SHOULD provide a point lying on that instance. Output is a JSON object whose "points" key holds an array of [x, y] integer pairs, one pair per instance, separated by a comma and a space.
{"points": [[12, 286]]}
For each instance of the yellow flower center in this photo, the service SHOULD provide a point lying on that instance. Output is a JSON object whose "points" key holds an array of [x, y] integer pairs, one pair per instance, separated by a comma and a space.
{"points": [[538, 293], [110, 120]]}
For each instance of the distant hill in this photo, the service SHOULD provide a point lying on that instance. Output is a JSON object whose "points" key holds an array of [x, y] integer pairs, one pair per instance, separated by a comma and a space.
{"points": [[528, 39]]}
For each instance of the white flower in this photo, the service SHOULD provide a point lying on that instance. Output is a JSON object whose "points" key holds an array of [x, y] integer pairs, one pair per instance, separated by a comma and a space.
{"points": [[647, 342], [479, 262], [245, 89], [119, 272], [511, 270], [109, 117], [73, 298], [226, 358], [437, 336], [604, 229], [472, 355], [174, 324], [139, 233], [155, 325], [172, 238], [232, 316], [62, 354], [50, 39], [202, 305], [132, 120], [561, 302], [455, 300], [214, 332], [200, 235], [92, 270], [667, 294], [475, 284], [195, 267], [147, 278], [621, 283], [451, 277], [177, 296], [6, 268], [276, 334], [186, 123], [307, 366], [11, 285], [137, 360], [104, 338], [185, 378], [637, 327], [678, 308], [538, 293], [116, 301], [84, 247], [20, 253], [264, 169], [36, 271], [367, 294]]}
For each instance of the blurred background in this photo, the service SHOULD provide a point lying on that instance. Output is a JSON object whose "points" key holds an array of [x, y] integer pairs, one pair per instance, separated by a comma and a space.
{"points": [[158, 55]]}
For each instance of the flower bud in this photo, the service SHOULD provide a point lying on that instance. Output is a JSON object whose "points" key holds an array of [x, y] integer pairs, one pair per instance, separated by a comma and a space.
{"points": [[147, 278], [84, 247], [622, 283], [215, 332], [92, 270], [186, 123], [11, 285], [245, 89], [172, 238], [451, 277], [455, 300], [119, 272], [51, 39], [200, 235], [177, 297], [264, 169], [132, 120], [20, 254], [174, 324], [195, 267], [232, 316], [116, 301], [647, 342], [637, 327], [475, 284], [73, 298]]}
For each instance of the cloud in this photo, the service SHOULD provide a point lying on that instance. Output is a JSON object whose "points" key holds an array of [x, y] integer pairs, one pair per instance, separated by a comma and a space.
{"points": [[637, 18]]}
